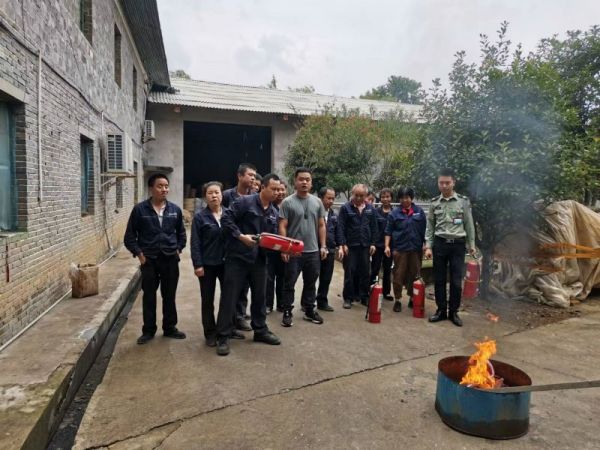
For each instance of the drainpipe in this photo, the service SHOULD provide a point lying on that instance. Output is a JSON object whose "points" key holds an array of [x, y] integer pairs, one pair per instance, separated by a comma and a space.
{"points": [[103, 187], [39, 140]]}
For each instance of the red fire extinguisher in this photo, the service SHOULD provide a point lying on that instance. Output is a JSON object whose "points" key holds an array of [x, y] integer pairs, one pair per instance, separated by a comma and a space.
{"points": [[471, 287], [279, 243], [374, 307], [418, 298]]}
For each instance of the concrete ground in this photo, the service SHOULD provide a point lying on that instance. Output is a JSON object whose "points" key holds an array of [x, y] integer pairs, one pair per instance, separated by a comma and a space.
{"points": [[42, 369], [344, 384]]}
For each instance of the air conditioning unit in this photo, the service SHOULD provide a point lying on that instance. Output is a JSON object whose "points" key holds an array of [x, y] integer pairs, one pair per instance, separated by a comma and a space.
{"points": [[149, 132], [119, 153]]}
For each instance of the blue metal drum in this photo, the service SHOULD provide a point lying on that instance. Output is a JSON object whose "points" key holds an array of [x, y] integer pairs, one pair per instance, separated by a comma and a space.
{"points": [[479, 412]]}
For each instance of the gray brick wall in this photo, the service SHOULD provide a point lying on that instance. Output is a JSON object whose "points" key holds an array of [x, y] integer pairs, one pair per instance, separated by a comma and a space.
{"points": [[79, 96]]}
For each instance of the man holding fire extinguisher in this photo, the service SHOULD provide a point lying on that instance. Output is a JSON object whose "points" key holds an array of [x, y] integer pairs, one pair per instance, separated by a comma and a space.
{"points": [[247, 217], [450, 231]]}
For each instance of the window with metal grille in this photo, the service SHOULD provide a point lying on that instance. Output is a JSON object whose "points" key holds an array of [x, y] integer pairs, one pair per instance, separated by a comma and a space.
{"points": [[136, 184], [134, 89], [85, 18], [87, 175], [117, 56], [8, 190], [115, 152], [119, 193]]}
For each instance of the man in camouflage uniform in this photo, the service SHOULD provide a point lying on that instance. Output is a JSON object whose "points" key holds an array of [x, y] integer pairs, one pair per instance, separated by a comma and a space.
{"points": [[450, 232]]}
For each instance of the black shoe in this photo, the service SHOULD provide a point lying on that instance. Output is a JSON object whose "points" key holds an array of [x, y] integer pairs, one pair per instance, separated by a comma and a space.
{"points": [[313, 316], [211, 341], [347, 304], [364, 302], [267, 337], [235, 334], [223, 347], [287, 320], [325, 307], [242, 325], [455, 319], [144, 338], [410, 303], [269, 310], [175, 334], [438, 316], [388, 297], [397, 306]]}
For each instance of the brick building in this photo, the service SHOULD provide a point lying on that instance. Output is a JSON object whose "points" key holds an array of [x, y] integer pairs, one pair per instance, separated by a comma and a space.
{"points": [[74, 79]]}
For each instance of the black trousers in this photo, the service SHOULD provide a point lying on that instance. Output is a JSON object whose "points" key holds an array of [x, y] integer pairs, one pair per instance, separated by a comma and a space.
{"points": [[377, 261], [448, 257], [208, 284], [356, 274], [161, 271], [241, 305], [238, 274], [309, 265], [325, 275], [275, 276]]}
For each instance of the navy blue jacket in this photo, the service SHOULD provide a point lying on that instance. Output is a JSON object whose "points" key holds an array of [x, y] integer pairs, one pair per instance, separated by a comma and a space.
{"points": [[145, 235], [331, 226], [247, 216], [208, 243], [382, 218], [230, 196], [355, 229], [407, 232]]}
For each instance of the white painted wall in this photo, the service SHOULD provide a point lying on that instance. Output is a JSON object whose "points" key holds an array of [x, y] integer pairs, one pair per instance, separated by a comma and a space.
{"points": [[167, 149]]}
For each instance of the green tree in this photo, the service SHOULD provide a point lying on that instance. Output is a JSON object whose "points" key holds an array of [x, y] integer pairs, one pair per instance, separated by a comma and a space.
{"points": [[306, 89], [499, 130], [340, 148], [273, 83], [397, 88], [180, 74]]}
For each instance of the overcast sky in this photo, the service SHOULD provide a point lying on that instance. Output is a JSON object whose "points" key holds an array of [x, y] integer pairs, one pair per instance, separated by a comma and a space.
{"points": [[347, 47]]}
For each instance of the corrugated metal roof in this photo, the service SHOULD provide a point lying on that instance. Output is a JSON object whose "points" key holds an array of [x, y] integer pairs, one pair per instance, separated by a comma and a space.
{"points": [[144, 23], [205, 94]]}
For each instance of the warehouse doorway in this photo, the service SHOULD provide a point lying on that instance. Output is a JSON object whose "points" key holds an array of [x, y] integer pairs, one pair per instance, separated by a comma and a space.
{"points": [[213, 151]]}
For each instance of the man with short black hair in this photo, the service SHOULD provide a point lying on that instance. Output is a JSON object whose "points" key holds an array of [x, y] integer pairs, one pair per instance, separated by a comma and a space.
{"points": [[245, 262], [155, 234], [275, 265], [327, 196], [450, 231], [302, 217], [246, 175]]}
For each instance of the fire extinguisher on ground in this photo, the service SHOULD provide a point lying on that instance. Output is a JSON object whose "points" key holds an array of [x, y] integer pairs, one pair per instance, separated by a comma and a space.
{"points": [[374, 308], [471, 286], [418, 298]]}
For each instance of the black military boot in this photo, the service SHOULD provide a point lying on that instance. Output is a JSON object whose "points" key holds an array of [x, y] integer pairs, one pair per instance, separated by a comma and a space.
{"points": [[438, 316]]}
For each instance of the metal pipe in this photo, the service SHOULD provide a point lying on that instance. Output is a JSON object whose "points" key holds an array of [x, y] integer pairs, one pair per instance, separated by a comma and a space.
{"points": [[34, 321], [545, 387], [39, 140]]}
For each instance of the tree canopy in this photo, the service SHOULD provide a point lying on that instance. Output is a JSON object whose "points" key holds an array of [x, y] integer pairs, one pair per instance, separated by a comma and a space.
{"points": [[398, 89]]}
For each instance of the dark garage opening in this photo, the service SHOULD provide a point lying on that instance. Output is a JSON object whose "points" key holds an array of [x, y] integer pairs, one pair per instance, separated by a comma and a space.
{"points": [[213, 151]]}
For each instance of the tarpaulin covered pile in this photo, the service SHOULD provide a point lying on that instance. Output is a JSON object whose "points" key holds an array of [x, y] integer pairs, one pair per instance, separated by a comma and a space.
{"points": [[520, 272]]}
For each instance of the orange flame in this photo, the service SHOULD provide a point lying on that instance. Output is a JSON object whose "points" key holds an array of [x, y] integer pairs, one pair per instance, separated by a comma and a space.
{"points": [[492, 317], [478, 374]]}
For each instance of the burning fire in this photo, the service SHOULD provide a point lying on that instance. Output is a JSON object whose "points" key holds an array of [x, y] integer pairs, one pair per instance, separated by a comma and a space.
{"points": [[492, 317], [481, 371]]}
